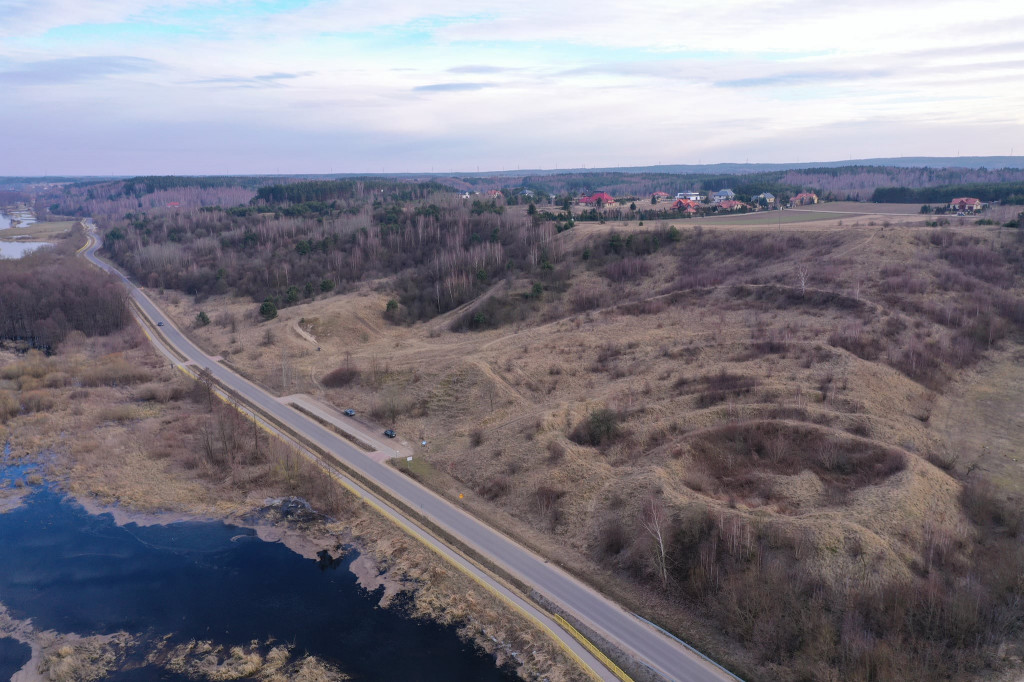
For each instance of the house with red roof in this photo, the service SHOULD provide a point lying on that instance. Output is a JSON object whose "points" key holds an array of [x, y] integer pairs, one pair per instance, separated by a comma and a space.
{"points": [[731, 205], [804, 199], [602, 198], [661, 195], [964, 204], [686, 205]]}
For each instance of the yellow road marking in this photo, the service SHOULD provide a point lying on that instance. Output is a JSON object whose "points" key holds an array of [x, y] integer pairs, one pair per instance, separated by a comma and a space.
{"points": [[598, 654], [392, 516]]}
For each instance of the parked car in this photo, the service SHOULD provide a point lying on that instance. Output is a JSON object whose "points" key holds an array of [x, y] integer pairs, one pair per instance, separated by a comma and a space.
{"points": [[350, 412], [159, 324], [390, 433]]}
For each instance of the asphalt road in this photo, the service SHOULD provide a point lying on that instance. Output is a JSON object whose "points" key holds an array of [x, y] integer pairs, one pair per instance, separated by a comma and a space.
{"points": [[661, 653]]}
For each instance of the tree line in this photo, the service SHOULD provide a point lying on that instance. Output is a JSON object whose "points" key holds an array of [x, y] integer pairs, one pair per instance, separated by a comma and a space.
{"points": [[1005, 192]]}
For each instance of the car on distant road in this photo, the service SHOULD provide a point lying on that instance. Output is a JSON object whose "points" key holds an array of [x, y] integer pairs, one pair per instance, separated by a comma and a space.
{"points": [[159, 324], [390, 433], [349, 412]]}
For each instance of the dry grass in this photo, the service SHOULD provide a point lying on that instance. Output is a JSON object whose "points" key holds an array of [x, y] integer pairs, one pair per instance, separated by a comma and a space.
{"points": [[807, 409], [39, 231]]}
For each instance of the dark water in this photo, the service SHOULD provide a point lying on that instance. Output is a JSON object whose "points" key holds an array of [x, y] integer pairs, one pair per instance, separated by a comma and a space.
{"points": [[74, 572], [13, 655]]}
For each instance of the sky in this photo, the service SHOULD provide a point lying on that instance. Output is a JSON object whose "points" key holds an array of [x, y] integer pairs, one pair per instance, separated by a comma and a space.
{"points": [[322, 86]]}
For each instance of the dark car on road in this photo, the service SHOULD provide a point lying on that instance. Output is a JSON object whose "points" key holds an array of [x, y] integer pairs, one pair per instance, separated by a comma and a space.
{"points": [[349, 412], [159, 324], [390, 433]]}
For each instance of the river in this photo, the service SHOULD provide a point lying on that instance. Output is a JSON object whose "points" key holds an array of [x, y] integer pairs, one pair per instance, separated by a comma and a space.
{"points": [[166, 585]]}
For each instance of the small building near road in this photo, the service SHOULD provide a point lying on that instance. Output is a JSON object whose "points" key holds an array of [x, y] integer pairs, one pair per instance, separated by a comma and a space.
{"points": [[723, 195], [805, 199], [966, 204]]}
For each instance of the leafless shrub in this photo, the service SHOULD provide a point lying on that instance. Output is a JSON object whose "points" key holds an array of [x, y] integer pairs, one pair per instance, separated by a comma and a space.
{"points": [[589, 297], [628, 269], [613, 538], [986, 507], [716, 388], [556, 451], [37, 401], [340, 377], [495, 487], [943, 458], [547, 500], [9, 406], [857, 339]]}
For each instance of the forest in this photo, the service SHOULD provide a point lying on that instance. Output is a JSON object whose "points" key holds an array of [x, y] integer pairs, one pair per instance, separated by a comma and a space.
{"points": [[50, 292], [443, 252]]}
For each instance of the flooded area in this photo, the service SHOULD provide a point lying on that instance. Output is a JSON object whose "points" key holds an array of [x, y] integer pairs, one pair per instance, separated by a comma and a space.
{"points": [[18, 249], [191, 600], [19, 217]]}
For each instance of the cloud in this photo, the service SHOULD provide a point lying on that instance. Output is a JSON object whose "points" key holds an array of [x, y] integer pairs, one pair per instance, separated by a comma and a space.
{"points": [[261, 81], [452, 87], [480, 68], [823, 77], [75, 70]]}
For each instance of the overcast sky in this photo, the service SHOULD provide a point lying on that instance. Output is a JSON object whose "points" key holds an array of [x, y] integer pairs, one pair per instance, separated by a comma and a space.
{"points": [[308, 86]]}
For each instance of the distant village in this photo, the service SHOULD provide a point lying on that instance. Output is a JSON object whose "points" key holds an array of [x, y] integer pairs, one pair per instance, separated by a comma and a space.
{"points": [[697, 203]]}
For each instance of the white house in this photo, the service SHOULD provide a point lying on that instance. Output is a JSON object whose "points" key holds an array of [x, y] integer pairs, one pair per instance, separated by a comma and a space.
{"points": [[723, 195], [690, 196]]}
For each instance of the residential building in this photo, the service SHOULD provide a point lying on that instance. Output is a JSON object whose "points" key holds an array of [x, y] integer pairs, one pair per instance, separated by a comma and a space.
{"points": [[687, 205], [730, 205], [764, 197], [804, 199], [598, 197], [723, 195], [690, 196], [964, 204]]}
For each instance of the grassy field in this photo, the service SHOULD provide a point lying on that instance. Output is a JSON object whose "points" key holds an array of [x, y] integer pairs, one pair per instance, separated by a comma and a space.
{"points": [[38, 231]]}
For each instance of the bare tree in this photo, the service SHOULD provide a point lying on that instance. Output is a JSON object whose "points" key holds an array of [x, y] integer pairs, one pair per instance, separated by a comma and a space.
{"points": [[654, 519], [205, 378], [801, 273]]}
